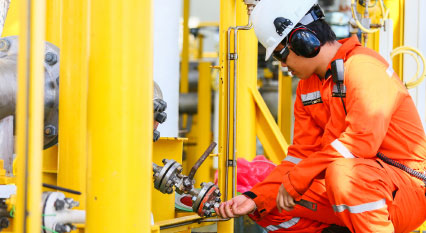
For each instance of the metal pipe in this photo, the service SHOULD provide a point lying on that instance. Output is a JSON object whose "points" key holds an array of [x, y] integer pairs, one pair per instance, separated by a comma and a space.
{"points": [[8, 89], [234, 57]]}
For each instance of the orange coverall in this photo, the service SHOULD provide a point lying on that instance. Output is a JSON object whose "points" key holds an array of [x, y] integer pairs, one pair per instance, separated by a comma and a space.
{"points": [[365, 193]]}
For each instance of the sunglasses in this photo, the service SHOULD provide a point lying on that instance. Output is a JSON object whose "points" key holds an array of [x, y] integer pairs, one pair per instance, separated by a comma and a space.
{"points": [[281, 55]]}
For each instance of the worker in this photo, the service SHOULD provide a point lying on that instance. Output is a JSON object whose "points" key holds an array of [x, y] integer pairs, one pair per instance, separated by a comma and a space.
{"points": [[359, 146]]}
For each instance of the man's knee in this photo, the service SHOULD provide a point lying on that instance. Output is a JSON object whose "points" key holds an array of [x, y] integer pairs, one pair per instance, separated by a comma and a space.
{"points": [[339, 174]]}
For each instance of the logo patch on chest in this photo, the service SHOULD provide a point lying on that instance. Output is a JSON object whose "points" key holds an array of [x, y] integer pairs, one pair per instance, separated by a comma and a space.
{"points": [[311, 98]]}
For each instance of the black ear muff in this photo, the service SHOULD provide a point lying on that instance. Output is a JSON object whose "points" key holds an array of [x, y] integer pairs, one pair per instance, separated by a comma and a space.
{"points": [[304, 42]]}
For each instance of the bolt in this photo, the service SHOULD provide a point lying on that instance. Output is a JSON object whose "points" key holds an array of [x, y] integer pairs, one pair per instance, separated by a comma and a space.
{"points": [[50, 130], [207, 205], [4, 45], [161, 117], [60, 228], [156, 106], [4, 222], [179, 169], [207, 213], [50, 58], [59, 204], [156, 135], [164, 161], [202, 184], [75, 204], [163, 105], [169, 190], [157, 174]]}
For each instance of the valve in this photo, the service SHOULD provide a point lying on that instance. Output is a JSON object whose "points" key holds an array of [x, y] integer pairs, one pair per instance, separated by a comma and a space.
{"points": [[169, 178]]}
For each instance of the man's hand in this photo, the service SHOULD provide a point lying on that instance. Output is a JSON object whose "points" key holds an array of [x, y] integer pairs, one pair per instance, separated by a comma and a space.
{"points": [[284, 200], [237, 206]]}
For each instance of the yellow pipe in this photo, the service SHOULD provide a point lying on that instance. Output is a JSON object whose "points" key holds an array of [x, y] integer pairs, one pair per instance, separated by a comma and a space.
{"points": [[247, 78], [73, 98], [227, 19], [120, 116], [30, 115], [396, 9], [284, 105], [53, 21], [184, 64], [204, 133]]}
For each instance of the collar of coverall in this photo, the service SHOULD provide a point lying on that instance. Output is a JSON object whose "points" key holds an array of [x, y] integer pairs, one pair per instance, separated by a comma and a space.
{"points": [[348, 45]]}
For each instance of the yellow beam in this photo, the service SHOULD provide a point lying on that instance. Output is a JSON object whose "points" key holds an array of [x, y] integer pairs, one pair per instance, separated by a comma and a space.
{"points": [[29, 117], [227, 19], [204, 132], [179, 224], [284, 105], [184, 64], [268, 131], [246, 79], [73, 98], [120, 113]]}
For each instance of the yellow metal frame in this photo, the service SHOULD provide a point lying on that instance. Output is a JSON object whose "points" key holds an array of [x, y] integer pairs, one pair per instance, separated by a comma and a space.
{"points": [[29, 116], [119, 125], [73, 98], [284, 104], [227, 19], [163, 205]]}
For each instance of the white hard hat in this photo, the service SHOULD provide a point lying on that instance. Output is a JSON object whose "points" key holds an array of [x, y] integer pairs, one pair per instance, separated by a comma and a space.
{"points": [[274, 19]]}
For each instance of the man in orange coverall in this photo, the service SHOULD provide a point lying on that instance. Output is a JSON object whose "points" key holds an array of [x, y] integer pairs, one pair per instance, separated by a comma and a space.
{"points": [[343, 124]]}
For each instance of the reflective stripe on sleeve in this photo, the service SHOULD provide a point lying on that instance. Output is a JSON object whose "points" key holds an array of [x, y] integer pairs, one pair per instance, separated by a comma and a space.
{"points": [[283, 225], [292, 159], [361, 208], [389, 71], [339, 147]]}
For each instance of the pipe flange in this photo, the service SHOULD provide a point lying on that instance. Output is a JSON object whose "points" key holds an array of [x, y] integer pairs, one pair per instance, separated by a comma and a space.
{"points": [[207, 199], [168, 176], [8, 64]]}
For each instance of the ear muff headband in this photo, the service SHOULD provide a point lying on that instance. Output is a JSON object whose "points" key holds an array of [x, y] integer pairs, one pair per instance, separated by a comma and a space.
{"points": [[304, 42]]}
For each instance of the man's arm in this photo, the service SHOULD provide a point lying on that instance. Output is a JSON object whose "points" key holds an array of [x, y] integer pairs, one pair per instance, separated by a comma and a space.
{"points": [[372, 97], [307, 139]]}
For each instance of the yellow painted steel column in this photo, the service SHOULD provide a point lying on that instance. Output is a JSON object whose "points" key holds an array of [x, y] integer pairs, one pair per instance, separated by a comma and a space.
{"points": [[184, 64], [246, 79], [204, 132], [284, 104], [53, 35], [397, 9], [53, 21], [120, 116], [73, 98], [30, 113], [227, 19]]}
